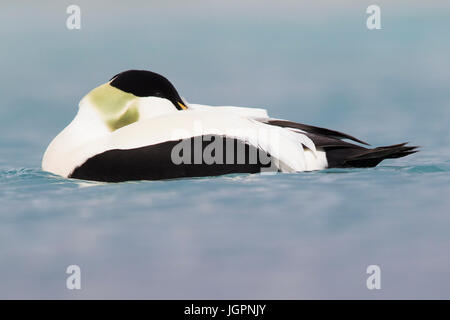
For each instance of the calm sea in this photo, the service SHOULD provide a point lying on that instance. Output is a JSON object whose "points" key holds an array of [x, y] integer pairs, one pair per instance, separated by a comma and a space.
{"points": [[306, 235]]}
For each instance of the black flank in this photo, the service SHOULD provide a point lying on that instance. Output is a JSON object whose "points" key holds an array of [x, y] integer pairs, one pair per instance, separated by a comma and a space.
{"points": [[154, 163]]}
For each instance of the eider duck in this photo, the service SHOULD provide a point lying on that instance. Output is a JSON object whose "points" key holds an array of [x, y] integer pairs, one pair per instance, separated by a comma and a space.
{"points": [[137, 127]]}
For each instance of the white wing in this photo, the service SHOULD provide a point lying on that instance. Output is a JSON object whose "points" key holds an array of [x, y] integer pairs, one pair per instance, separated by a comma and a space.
{"points": [[285, 147]]}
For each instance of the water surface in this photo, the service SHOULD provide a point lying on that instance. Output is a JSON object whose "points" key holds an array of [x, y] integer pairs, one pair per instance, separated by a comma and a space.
{"points": [[307, 235]]}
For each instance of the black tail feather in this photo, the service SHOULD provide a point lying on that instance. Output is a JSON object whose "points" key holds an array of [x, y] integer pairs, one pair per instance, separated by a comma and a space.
{"points": [[372, 157], [360, 157], [343, 154]]}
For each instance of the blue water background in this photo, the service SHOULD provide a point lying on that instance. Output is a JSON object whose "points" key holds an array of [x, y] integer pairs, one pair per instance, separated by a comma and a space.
{"points": [[307, 235]]}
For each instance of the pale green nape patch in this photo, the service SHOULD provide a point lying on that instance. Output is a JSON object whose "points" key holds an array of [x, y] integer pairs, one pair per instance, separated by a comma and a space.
{"points": [[131, 115], [115, 106]]}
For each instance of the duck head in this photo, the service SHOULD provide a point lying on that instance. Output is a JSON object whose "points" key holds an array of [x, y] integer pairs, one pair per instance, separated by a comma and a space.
{"points": [[131, 96]]}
